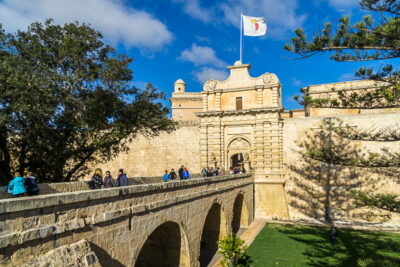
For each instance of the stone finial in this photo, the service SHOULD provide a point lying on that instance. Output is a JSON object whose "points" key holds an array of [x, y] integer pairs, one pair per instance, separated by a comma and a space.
{"points": [[237, 63], [179, 86]]}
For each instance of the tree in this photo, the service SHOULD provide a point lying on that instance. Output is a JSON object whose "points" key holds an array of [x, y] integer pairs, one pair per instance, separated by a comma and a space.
{"points": [[376, 37], [67, 99], [233, 250]]}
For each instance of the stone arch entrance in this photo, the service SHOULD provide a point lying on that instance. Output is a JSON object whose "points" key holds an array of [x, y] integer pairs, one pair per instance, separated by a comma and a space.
{"points": [[240, 214], [237, 160], [166, 246], [214, 229], [239, 153]]}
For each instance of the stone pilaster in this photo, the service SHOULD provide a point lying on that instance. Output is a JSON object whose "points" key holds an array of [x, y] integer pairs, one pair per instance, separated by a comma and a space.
{"points": [[203, 146], [218, 100], [258, 147], [276, 95], [205, 101], [260, 97], [267, 146]]}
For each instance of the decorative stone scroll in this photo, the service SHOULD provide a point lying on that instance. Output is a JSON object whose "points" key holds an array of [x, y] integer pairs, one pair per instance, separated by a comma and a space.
{"points": [[239, 144], [269, 79], [210, 85]]}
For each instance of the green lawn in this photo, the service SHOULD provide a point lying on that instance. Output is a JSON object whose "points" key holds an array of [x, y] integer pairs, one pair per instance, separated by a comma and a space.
{"points": [[293, 245]]}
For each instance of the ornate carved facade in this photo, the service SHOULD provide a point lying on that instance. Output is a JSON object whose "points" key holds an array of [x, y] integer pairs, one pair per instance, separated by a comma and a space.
{"points": [[240, 123]]}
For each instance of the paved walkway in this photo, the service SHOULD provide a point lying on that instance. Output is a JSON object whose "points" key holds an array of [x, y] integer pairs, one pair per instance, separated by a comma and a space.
{"points": [[248, 236]]}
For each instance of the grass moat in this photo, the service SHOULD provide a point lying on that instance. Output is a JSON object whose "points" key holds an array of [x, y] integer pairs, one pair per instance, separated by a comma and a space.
{"points": [[295, 245]]}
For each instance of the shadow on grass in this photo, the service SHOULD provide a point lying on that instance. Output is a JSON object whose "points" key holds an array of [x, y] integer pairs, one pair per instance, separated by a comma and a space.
{"points": [[374, 248]]}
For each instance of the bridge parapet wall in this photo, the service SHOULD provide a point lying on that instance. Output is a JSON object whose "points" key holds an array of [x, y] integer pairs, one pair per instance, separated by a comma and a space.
{"points": [[116, 221], [75, 186]]}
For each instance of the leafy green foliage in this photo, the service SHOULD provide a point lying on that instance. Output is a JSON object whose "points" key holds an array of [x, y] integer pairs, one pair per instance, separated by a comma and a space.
{"points": [[233, 250], [331, 154], [67, 99], [391, 133], [390, 202], [376, 37]]}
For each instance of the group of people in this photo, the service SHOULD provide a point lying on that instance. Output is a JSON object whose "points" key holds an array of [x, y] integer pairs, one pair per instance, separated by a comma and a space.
{"points": [[209, 172], [97, 179], [182, 172], [237, 170], [21, 185]]}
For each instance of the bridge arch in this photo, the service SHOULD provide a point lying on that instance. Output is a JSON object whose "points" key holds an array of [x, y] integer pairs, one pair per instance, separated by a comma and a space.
{"points": [[240, 213], [166, 246], [214, 228]]}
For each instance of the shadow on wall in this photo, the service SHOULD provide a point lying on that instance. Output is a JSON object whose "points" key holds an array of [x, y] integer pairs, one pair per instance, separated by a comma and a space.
{"points": [[320, 188], [210, 235], [104, 258]]}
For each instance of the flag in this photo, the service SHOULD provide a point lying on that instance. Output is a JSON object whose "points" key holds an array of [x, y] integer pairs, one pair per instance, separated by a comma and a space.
{"points": [[254, 26]]}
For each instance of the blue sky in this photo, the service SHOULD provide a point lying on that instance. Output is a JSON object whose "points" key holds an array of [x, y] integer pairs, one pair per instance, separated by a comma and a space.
{"points": [[196, 39]]}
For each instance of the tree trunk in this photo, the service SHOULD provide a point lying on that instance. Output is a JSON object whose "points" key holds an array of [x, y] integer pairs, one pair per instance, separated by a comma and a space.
{"points": [[5, 170]]}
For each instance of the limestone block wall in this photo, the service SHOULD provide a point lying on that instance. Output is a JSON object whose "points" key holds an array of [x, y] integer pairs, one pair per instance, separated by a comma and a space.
{"points": [[317, 190], [152, 156], [184, 105], [118, 221]]}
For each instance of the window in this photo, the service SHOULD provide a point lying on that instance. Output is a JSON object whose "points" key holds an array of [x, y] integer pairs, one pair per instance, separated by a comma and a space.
{"points": [[239, 103]]}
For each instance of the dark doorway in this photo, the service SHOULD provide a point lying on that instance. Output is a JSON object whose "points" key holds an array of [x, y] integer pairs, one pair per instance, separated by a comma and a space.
{"points": [[236, 160], [162, 248]]}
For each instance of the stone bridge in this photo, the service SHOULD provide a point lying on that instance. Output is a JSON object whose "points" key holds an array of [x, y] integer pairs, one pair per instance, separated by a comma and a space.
{"points": [[162, 224]]}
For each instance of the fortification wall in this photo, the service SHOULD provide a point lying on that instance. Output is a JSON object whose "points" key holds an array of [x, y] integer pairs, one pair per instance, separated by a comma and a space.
{"points": [[316, 190], [151, 156]]}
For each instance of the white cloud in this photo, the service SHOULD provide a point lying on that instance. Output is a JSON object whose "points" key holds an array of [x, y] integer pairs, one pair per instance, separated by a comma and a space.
{"points": [[117, 22], [193, 9], [201, 55], [207, 73], [281, 16], [341, 3], [296, 82]]}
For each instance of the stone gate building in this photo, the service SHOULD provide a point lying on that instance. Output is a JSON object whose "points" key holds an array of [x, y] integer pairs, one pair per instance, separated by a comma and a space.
{"points": [[239, 121]]}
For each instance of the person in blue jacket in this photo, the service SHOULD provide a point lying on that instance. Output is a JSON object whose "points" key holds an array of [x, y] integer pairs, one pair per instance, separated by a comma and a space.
{"points": [[166, 176], [122, 180], [17, 185], [185, 174]]}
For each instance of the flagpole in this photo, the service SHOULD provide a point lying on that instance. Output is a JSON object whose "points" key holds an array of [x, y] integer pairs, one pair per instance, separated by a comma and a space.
{"points": [[241, 31]]}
